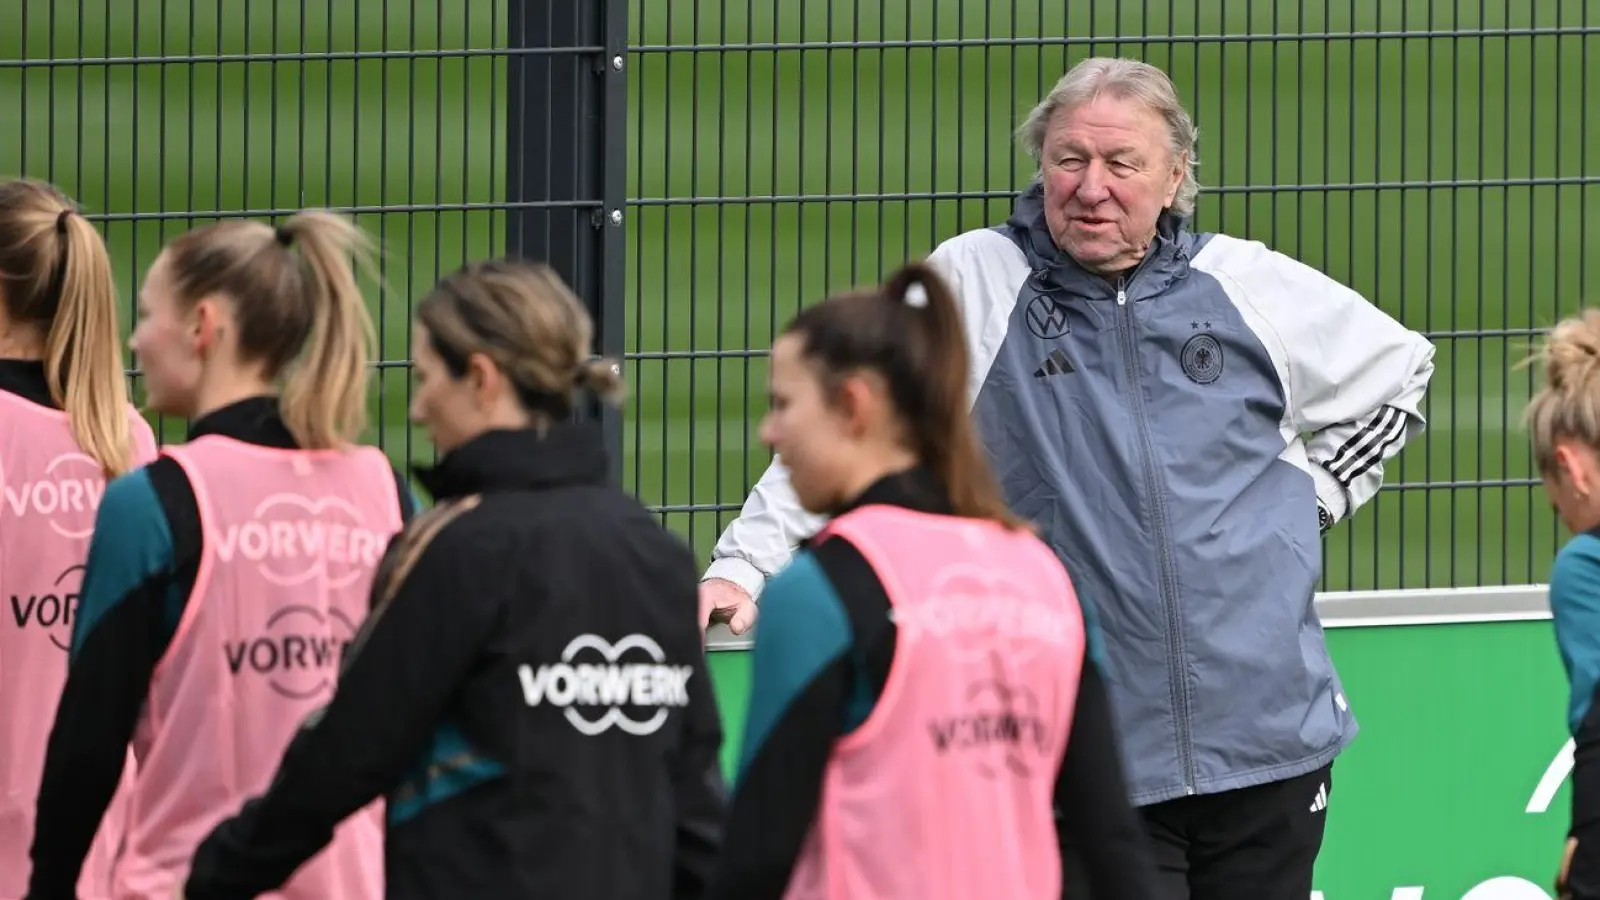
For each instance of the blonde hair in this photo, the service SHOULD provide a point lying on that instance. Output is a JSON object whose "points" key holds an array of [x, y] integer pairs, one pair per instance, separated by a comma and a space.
{"points": [[526, 320], [299, 309], [1128, 79], [57, 275], [1567, 405]]}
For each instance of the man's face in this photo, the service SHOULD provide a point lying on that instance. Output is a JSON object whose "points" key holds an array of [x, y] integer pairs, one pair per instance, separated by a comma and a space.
{"points": [[1108, 173]]}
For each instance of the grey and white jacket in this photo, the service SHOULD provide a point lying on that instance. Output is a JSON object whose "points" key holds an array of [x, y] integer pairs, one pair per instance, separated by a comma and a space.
{"points": [[1180, 438]]}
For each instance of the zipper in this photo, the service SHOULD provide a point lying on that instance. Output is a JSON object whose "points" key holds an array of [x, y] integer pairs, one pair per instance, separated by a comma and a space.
{"points": [[1169, 579]]}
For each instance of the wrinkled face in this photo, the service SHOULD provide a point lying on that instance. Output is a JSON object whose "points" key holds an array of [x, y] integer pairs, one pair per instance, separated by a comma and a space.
{"points": [[810, 436], [169, 345], [1108, 172], [447, 406]]}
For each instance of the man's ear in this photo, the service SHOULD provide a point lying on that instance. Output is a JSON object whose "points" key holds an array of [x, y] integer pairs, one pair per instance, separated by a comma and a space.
{"points": [[1177, 178]]}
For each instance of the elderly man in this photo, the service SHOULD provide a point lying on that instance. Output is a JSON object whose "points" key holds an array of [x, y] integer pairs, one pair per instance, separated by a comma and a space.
{"points": [[1181, 415]]}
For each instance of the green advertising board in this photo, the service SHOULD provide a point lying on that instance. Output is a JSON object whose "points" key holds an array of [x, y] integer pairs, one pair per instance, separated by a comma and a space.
{"points": [[1456, 788]]}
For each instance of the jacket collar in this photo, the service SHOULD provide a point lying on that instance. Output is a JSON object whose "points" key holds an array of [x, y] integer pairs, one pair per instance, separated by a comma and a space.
{"points": [[25, 378], [1054, 272], [519, 459], [916, 489], [254, 420]]}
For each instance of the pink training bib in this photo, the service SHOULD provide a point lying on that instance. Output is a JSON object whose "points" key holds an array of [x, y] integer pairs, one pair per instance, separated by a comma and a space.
{"points": [[49, 493], [292, 540], [946, 791]]}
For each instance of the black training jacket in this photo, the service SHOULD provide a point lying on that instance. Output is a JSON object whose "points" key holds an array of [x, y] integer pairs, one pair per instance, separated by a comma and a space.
{"points": [[529, 695]]}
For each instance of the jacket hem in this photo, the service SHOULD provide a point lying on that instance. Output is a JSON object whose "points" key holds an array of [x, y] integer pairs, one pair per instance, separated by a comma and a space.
{"points": [[1252, 778]]}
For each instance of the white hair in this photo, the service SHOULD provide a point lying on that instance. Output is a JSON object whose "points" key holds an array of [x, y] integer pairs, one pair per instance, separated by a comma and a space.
{"points": [[1128, 79]]}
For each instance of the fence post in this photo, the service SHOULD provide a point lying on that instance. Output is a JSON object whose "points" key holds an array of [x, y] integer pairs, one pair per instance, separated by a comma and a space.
{"points": [[566, 175]]}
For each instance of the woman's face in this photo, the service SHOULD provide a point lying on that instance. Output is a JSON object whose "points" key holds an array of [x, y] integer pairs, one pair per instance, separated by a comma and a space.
{"points": [[445, 405], [812, 437], [168, 343]]}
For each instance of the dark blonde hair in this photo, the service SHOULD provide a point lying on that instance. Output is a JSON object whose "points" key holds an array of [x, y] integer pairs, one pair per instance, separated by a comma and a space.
{"points": [[525, 319], [299, 309], [921, 353], [57, 276], [1567, 405]]}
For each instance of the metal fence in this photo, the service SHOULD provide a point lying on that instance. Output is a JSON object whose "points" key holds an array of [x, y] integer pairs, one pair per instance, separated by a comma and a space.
{"points": [[1434, 155], [699, 169], [450, 131]]}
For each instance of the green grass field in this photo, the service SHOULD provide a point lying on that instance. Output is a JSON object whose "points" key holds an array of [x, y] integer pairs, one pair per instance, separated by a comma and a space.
{"points": [[1479, 266]]}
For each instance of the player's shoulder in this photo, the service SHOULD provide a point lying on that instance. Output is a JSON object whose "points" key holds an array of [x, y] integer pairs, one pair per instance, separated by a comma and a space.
{"points": [[803, 603], [1577, 563], [804, 586], [131, 497], [439, 547], [468, 525], [132, 535]]}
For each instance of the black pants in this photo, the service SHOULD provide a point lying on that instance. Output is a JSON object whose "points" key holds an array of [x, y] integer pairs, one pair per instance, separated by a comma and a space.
{"points": [[1255, 843]]}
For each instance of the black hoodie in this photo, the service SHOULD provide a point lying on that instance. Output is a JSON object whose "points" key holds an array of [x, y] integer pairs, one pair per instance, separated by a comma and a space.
{"points": [[529, 695]]}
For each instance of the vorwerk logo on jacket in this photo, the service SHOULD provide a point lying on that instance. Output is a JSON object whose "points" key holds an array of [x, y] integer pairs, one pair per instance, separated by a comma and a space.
{"points": [[1169, 473], [597, 684]]}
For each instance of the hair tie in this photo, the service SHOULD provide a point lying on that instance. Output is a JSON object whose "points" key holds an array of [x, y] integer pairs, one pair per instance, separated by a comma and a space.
{"points": [[61, 221], [283, 236]]}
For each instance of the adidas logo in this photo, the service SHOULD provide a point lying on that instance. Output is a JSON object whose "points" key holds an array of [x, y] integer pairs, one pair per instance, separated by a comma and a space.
{"points": [[1321, 803], [1054, 364]]}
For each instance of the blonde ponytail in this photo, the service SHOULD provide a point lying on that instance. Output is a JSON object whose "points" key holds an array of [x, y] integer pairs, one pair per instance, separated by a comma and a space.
{"points": [[325, 391], [300, 312], [58, 284], [83, 351]]}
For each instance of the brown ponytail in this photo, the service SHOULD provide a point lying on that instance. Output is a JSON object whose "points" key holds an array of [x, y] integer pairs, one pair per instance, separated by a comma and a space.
{"points": [[525, 319], [300, 312], [57, 277], [915, 341]]}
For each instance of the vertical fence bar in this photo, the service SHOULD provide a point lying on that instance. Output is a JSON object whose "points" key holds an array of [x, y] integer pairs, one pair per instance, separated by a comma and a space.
{"points": [[611, 281], [545, 132], [565, 160]]}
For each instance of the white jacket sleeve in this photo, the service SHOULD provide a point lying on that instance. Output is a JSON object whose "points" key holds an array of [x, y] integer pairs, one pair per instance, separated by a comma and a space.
{"points": [[771, 524], [1356, 382], [762, 539]]}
